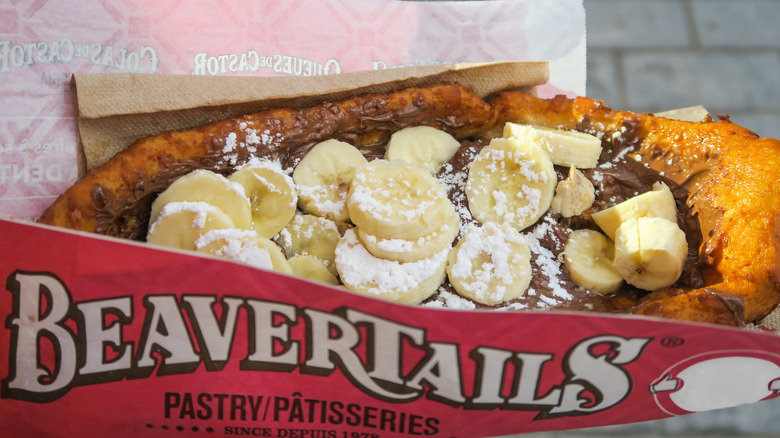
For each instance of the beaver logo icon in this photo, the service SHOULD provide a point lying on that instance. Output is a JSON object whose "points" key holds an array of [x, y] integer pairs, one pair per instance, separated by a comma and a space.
{"points": [[717, 380]]}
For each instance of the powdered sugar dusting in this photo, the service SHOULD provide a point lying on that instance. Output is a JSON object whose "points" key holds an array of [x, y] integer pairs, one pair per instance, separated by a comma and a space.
{"points": [[320, 197], [403, 245], [238, 245], [446, 299], [284, 238], [548, 263], [385, 197], [496, 243], [390, 245], [378, 276], [503, 183], [230, 143], [271, 182], [252, 140], [298, 222], [201, 210], [619, 157]]}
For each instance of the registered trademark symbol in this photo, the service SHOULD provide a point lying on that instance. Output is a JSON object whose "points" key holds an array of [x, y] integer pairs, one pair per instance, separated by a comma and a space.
{"points": [[672, 341]]}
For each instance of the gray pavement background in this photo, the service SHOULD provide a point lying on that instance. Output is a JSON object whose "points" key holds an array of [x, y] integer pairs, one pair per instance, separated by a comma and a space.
{"points": [[653, 55]]}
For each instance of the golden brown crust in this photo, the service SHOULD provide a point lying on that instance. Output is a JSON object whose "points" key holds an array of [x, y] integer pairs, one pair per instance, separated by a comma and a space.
{"points": [[114, 196], [728, 170], [734, 190]]}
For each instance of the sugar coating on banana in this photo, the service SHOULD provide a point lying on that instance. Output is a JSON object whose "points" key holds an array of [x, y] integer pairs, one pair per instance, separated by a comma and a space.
{"points": [[408, 283], [491, 264], [404, 250], [510, 181], [323, 176], [311, 235], [206, 186], [244, 246], [397, 200], [180, 224], [399, 248], [271, 193]]}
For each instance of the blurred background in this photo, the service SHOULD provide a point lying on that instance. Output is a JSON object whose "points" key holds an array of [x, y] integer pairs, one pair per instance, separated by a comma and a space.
{"points": [[654, 55]]}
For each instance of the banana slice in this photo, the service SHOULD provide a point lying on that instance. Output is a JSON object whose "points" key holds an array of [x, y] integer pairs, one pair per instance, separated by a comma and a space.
{"points": [[180, 224], [311, 235], [510, 181], [566, 148], [650, 252], [206, 186], [313, 269], [573, 195], [658, 202], [271, 193], [423, 145], [323, 177], [490, 264], [588, 257], [408, 283], [244, 246], [397, 200], [402, 250]]}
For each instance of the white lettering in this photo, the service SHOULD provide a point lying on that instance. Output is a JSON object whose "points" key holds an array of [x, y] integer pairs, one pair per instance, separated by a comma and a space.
{"points": [[30, 328], [599, 374], [530, 370], [215, 337], [266, 333], [332, 340], [153, 59], [166, 332], [442, 371], [373, 353], [491, 374], [385, 356], [200, 63], [102, 335]]}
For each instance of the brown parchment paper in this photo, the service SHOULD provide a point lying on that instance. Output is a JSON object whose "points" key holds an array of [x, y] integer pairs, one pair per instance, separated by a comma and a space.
{"points": [[114, 110]]}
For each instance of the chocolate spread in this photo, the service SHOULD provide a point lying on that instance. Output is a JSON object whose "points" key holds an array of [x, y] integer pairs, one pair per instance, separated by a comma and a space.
{"points": [[366, 125], [617, 178]]}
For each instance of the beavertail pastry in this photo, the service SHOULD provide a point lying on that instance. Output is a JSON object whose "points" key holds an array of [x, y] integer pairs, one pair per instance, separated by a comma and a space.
{"points": [[114, 198], [517, 203], [734, 191]]}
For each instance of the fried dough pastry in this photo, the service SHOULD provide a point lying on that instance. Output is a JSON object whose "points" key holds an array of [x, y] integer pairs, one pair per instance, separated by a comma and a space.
{"points": [[115, 198], [728, 171], [734, 190]]}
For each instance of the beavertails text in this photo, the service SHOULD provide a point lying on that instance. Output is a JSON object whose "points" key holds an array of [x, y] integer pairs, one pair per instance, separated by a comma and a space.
{"points": [[104, 340]]}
